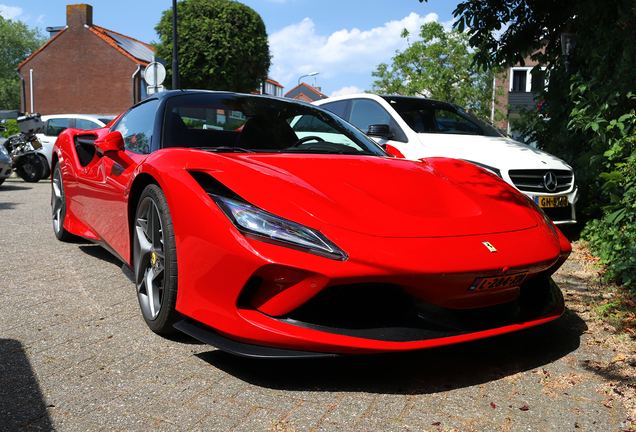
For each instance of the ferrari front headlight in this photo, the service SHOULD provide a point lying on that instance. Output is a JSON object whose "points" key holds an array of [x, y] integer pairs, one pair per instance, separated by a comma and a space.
{"points": [[258, 224]]}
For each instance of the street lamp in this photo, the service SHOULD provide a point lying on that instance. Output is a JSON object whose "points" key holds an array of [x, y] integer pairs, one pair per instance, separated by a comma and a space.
{"points": [[309, 74], [568, 42]]}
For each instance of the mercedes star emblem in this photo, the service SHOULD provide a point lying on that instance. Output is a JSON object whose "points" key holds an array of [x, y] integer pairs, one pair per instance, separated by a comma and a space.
{"points": [[550, 181]]}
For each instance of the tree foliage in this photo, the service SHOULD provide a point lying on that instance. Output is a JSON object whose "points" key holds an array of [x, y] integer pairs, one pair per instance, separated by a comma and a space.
{"points": [[222, 45], [591, 120], [439, 66], [17, 43]]}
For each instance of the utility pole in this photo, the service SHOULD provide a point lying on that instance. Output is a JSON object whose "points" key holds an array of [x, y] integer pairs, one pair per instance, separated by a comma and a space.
{"points": [[175, 60]]}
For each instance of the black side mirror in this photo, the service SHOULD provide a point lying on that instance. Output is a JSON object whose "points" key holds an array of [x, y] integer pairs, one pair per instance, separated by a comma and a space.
{"points": [[380, 130]]}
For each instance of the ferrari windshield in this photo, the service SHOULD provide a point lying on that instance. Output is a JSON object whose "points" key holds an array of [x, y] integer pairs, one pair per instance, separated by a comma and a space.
{"points": [[224, 122], [431, 116]]}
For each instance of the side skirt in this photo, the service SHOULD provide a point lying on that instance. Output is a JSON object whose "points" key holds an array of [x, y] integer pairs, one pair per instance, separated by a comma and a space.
{"points": [[128, 272]]}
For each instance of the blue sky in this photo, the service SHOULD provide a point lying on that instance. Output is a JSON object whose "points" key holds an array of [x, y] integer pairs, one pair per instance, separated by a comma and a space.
{"points": [[343, 40]]}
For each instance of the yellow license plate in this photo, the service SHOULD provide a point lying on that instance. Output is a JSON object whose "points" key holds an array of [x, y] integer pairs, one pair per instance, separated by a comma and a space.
{"points": [[552, 201], [504, 281], [36, 144]]}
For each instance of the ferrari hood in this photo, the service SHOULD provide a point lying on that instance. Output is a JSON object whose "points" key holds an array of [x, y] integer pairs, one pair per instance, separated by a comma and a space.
{"points": [[502, 153], [373, 195]]}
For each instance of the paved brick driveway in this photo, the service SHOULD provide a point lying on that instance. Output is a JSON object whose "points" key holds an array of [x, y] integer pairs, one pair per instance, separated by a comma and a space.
{"points": [[75, 355]]}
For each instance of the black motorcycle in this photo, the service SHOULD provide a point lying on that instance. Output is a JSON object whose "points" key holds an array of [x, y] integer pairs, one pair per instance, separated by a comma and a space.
{"points": [[21, 148]]}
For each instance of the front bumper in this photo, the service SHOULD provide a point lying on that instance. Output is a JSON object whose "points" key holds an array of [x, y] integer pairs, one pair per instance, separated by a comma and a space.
{"points": [[399, 295], [540, 301], [560, 215]]}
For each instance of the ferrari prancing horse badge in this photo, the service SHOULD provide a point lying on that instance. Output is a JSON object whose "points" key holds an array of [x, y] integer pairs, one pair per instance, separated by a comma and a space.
{"points": [[490, 247]]}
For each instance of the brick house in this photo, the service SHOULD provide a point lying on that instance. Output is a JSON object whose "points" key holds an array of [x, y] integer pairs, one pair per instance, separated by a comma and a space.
{"points": [[84, 69], [305, 93], [520, 89]]}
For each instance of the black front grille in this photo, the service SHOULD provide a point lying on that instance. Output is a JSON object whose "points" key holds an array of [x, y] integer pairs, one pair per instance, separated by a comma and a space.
{"points": [[534, 180], [385, 312]]}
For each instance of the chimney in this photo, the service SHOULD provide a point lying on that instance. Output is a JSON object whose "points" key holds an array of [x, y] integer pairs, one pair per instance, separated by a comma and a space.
{"points": [[79, 15]]}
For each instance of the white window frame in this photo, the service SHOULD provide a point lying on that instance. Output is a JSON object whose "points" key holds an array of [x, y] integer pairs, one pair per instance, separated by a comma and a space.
{"points": [[527, 69]]}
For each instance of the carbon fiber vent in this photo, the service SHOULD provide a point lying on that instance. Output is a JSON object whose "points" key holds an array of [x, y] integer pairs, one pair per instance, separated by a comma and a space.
{"points": [[85, 148]]}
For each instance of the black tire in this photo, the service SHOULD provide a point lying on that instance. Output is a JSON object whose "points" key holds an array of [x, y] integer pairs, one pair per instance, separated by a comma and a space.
{"points": [[155, 261], [58, 205], [1, 181], [46, 170], [30, 168]]}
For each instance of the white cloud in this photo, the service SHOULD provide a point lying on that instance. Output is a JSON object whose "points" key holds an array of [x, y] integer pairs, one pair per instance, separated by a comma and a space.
{"points": [[299, 48], [347, 90], [448, 25], [10, 12]]}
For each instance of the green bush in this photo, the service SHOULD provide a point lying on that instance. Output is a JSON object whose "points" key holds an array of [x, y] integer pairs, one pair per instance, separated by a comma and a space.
{"points": [[12, 128], [613, 236]]}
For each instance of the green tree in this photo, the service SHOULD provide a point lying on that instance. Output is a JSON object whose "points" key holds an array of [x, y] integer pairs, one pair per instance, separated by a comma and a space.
{"points": [[17, 43], [439, 66], [222, 45]]}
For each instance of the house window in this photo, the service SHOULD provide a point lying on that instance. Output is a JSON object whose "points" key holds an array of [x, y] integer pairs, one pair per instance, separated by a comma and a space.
{"points": [[538, 81], [273, 90], [519, 80]]}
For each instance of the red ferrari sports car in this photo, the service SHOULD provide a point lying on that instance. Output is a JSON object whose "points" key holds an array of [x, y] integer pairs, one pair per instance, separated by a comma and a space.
{"points": [[273, 228]]}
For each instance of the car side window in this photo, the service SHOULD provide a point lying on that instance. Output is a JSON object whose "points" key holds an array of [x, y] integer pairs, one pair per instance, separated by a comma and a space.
{"points": [[137, 125], [340, 108], [86, 124], [56, 126], [367, 112], [453, 123]]}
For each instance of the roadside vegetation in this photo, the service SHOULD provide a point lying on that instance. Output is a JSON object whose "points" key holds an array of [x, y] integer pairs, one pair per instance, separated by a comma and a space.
{"points": [[12, 128]]}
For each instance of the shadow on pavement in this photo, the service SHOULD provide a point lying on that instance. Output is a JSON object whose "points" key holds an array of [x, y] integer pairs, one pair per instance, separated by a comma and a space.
{"points": [[8, 206], [9, 187], [98, 252], [21, 402], [418, 372]]}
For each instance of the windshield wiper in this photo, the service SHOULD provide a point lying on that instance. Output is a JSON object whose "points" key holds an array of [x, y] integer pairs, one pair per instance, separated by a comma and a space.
{"points": [[226, 149]]}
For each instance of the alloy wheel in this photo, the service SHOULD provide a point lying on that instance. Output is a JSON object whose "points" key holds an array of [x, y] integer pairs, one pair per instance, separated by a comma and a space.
{"points": [[58, 205], [150, 258]]}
